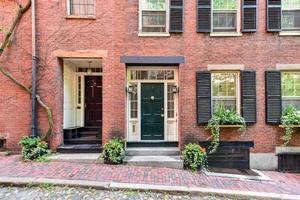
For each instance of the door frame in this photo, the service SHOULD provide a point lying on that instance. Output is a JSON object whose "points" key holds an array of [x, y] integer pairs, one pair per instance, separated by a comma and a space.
{"points": [[82, 104], [138, 120]]}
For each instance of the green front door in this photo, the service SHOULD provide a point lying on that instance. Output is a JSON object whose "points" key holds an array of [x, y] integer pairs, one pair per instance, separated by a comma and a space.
{"points": [[152, 108]]}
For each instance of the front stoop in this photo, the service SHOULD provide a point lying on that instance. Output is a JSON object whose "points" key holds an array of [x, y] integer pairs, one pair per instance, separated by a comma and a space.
{"points": [[77, 157], [154, 157]]}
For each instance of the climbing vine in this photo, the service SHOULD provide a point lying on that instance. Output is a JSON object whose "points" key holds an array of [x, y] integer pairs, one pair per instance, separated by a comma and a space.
{"points": [[7, 40], [290, 118]]}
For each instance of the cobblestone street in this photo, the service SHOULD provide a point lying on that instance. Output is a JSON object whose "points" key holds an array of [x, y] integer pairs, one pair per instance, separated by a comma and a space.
{"points": [[46, 192]]}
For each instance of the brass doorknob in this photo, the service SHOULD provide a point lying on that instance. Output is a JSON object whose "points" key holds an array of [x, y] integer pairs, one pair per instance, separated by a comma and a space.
{"points": [[162, 115]]}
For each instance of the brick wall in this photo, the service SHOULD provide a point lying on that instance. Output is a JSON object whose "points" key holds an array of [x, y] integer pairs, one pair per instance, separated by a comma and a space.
{"points": [[116, 30]]}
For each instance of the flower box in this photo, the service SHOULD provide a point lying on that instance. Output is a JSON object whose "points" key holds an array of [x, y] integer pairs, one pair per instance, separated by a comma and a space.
{"points": [[231, 126], [293, 126]]}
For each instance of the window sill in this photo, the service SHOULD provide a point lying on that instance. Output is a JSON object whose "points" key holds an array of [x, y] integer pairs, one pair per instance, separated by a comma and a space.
{"points": [[231, 126], [289, 33], [233, 34], [154, 34], [89, 17]]}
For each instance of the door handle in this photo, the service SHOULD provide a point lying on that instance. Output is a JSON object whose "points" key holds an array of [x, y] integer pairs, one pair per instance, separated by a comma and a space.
{"points": [[162, 115]]}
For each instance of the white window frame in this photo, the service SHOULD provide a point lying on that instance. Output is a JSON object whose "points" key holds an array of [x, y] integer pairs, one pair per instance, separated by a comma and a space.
{"points": [[69, 14], [238, 92], [141, 33], [238, 22], [289, 97], [288, 32]]}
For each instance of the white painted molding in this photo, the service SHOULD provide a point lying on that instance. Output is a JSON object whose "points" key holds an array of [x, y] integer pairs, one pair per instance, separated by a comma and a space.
{"points": [[287, 150], [216, 67], [288, 67], [289, 33], [234, 34]]}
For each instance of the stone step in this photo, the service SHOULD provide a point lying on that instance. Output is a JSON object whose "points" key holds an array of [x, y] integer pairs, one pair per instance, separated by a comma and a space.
{"points": [[76, 157], [82, 141], [79, 148], [153, 151], [155, 161]]}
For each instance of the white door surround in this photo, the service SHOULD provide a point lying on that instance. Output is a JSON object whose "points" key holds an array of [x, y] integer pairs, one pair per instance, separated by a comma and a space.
{"points": [[74, 72], [165, 75]]}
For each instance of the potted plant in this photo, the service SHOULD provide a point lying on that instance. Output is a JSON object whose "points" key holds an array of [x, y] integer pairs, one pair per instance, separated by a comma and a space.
{"points": [[194, 157], [223, 117], [289, 120], [114, 151]]}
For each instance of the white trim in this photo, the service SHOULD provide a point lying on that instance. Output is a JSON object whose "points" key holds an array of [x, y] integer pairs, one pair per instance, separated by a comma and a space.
{"points": [[138, 120], [288, 67], [158, 34], [220, 67], [289, 33], [238, 22]]}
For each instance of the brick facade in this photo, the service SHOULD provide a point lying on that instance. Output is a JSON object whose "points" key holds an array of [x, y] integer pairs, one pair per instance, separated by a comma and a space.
{"points": [[115, 30]]}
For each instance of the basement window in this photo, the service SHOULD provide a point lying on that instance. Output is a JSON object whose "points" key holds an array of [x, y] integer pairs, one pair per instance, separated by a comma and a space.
{"points": [[81, 7]]}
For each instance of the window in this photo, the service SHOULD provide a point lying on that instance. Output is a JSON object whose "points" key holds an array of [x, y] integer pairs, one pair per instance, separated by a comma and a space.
{"points": [[290, 15], [153, 16], [225, 15], [171, 101], [152, 75], [225, 90], [82, 7], [290, 84], [134, 102]]}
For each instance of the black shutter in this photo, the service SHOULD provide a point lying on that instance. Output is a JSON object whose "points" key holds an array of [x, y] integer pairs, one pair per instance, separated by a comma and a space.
{"points": [[273, 97], [204, 16], [176, 16], [274, 15], [248, 94], [249, 15], [203, 95]]}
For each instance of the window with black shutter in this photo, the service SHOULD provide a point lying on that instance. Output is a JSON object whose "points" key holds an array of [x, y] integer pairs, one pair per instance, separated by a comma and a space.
{"points": [[249, 15], [274, 15], [248, 96], [221, 88], [176, 16], [204, 16], [273, 97], [203, 95]]}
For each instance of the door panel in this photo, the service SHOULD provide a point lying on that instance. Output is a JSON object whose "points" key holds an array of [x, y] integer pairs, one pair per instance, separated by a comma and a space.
{"points": [[152, 110], [93, 101]]}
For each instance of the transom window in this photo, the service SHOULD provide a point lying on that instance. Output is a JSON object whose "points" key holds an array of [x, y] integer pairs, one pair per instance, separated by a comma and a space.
{"points": [[152, 75], [225, 90], [290, 83], [290, 15], [153, 16], [225, 15], [82, 7]]}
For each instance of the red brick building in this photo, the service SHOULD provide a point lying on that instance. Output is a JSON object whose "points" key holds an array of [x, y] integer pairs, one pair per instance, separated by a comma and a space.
{"points": [[110, 65]]}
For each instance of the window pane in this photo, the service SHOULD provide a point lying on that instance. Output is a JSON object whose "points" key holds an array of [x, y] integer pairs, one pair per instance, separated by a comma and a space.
{"points": [[225, 4], [154, 4], [152, 75], [290, 4], [171, 104], [154, 21], [291, 20], [134, 102], [82, 7], [224, 86], [224, 22], [290, 83]]}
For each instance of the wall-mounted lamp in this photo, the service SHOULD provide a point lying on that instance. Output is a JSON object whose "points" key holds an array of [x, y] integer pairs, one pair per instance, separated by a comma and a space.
{"points": [[130, 89], [175, 89]]}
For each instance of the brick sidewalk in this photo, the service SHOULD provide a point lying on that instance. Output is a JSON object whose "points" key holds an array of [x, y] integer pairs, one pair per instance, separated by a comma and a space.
{"points": [[282, 183]]}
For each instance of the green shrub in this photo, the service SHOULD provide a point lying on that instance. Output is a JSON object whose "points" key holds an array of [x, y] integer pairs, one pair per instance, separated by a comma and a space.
{"points": [[34, 149], [194, 157], [290, 117], [113, 151], [222, 116]]}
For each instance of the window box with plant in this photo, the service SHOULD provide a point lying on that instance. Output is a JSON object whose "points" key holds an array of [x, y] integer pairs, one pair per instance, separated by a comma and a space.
{"points": [[289, 121], [223, 118]]}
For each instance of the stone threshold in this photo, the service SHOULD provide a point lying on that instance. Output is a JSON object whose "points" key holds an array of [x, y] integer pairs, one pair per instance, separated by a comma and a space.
{"points": [[18, 181]]}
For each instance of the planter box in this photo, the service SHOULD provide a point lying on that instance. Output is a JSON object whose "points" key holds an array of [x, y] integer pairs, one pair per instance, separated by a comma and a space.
{"points": [[231, 126], [294, 126], [230, 154]]}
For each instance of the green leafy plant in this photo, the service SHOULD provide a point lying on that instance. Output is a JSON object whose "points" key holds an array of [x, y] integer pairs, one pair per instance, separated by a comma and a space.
{"points": [[194, 157], [222, 116], [113, 151], [290, 117], [34, 149]]}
